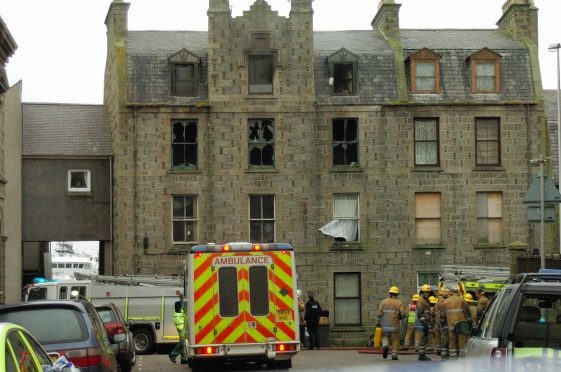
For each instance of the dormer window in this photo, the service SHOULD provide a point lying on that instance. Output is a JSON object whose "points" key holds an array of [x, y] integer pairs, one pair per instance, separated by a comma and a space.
{"points": [[184, 74], [484, 68], [343, 73], [425, 72]]}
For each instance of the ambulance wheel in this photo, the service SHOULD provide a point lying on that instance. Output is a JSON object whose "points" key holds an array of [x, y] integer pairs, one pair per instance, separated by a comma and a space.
{"points": [[143, 343]]}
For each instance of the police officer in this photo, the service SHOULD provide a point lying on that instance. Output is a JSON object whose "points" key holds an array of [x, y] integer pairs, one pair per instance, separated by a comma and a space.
{"points": [[456, 310], [423, 322], [311, 316], [179, 321], [411, 316], [390, 313]]}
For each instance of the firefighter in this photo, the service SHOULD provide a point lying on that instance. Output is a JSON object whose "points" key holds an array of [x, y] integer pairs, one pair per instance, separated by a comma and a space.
{"points": [[179, 321], [390, 313], [456, 310], [436, 322], [423, 322], [445, 293], [482, 303], [411, 316], [472, 308], [432, 331], [311, 316]]}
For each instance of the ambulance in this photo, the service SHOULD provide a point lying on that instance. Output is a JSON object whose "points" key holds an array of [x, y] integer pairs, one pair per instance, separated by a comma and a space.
{"points": [[242, 305]]}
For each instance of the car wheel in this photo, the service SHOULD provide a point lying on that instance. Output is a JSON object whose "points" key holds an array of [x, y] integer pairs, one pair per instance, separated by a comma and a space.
{"points": [[143, 343], [133, 357], [126, 365]]}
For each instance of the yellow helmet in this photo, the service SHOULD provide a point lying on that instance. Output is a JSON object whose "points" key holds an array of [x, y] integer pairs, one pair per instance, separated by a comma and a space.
{"points": [[432, 299], [415, 297], [394, 290], [468, 297], [426, 288]]}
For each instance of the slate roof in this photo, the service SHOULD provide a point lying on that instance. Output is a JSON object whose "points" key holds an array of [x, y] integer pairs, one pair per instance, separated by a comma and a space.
{"points": [[65, 130], [147, 53]]}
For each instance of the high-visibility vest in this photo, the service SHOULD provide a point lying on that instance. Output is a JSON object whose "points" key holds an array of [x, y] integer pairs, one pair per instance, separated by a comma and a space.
{"points": [[412, 316], [179, 320]]}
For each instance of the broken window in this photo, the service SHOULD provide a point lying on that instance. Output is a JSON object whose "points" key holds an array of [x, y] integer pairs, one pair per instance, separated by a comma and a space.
{"points": [[261, 142], [184, 144], [487, 142], [262, 218], [183, 80], [489, 217], [260, 41], [345, 142], [426, 142], [184, 219], [344, 78], [261, 73], [427, 218], [79, 180], [344, 226]]}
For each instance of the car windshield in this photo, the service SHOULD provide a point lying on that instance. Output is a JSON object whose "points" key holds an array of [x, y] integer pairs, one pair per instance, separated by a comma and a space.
{"points": [[49, 325], [538, 324]]}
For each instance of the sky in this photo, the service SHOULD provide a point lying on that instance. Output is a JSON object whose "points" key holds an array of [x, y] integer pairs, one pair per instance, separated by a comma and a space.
{"points": [[62, 43]]}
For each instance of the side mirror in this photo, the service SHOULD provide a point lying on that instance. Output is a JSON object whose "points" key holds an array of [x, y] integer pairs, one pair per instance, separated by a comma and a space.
{"points": [[119, 337]]}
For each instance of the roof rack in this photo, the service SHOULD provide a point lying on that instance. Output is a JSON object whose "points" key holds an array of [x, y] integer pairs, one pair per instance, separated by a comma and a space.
{"points": [[140, 280]]}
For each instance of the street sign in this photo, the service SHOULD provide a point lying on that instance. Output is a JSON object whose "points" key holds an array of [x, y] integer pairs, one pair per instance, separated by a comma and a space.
{"points": [[551, 194]]}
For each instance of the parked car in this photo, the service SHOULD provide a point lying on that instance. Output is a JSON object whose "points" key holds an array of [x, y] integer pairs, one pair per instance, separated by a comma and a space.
{"points": [[115, 324], [20, 351], [521, 329], [71, 328]]}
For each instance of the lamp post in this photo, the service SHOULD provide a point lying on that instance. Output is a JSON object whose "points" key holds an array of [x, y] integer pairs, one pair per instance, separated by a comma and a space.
{"points": [[555, 48]]}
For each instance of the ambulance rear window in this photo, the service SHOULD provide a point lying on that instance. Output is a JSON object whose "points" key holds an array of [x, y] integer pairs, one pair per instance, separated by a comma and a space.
{"points": [[258, 290], [228, 291], [37, 294]]}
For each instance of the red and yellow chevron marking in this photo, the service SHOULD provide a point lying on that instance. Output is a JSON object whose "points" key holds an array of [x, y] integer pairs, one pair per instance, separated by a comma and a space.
{"points": [[210, 327]]}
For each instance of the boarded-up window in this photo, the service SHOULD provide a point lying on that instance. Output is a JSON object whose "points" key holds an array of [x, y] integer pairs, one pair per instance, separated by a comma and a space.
{"points": [[260, 41], [487, 141], [490, 217], [345, 141], [427, 218], [347, 298]]}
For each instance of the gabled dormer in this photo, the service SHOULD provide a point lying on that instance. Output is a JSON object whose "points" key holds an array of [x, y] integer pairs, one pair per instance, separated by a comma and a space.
{"points": [[184, 74], [485, 72], [424, 67], [343, 73]]}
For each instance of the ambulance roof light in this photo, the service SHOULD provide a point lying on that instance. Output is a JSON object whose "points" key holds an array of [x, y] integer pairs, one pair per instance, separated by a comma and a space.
{"points": [[240, 247]]}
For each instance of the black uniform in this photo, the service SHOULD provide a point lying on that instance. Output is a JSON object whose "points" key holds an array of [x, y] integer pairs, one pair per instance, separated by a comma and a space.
{"points": [[313, 312]]}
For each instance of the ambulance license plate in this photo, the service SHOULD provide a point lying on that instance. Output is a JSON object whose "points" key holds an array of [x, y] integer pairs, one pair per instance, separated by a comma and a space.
{"points": [[284, 315]]}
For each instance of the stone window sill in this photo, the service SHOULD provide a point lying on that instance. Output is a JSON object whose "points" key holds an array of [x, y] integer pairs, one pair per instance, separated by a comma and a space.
{"points": [[346, 246], [427, 169], [428, 246], [489, 246], [493, 168]]}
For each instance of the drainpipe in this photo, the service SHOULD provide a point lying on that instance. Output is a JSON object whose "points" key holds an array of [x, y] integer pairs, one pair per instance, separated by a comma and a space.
{"points": [[111, 215], [529, 169], [135, 196]]}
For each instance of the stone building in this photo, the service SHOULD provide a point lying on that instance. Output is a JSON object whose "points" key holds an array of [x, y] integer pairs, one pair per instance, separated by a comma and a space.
{"points": [[380, 154], [10, 175]]}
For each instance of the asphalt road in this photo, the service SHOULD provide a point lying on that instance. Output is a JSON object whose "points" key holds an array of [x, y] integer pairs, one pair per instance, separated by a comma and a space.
{"points": [[329, 360]]}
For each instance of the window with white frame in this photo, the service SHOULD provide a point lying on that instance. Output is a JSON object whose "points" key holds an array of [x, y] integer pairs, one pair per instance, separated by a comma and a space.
{"points": [[262, 218], [428, 227], [347, 299], [430, 278], [344, 226], [489, 217], [79, 180], [184, 219], [426, 142]]}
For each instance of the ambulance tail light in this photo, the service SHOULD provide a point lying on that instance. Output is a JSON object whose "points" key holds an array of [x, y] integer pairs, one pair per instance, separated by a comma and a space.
{"points": [[206, 350], [281, 348]]}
